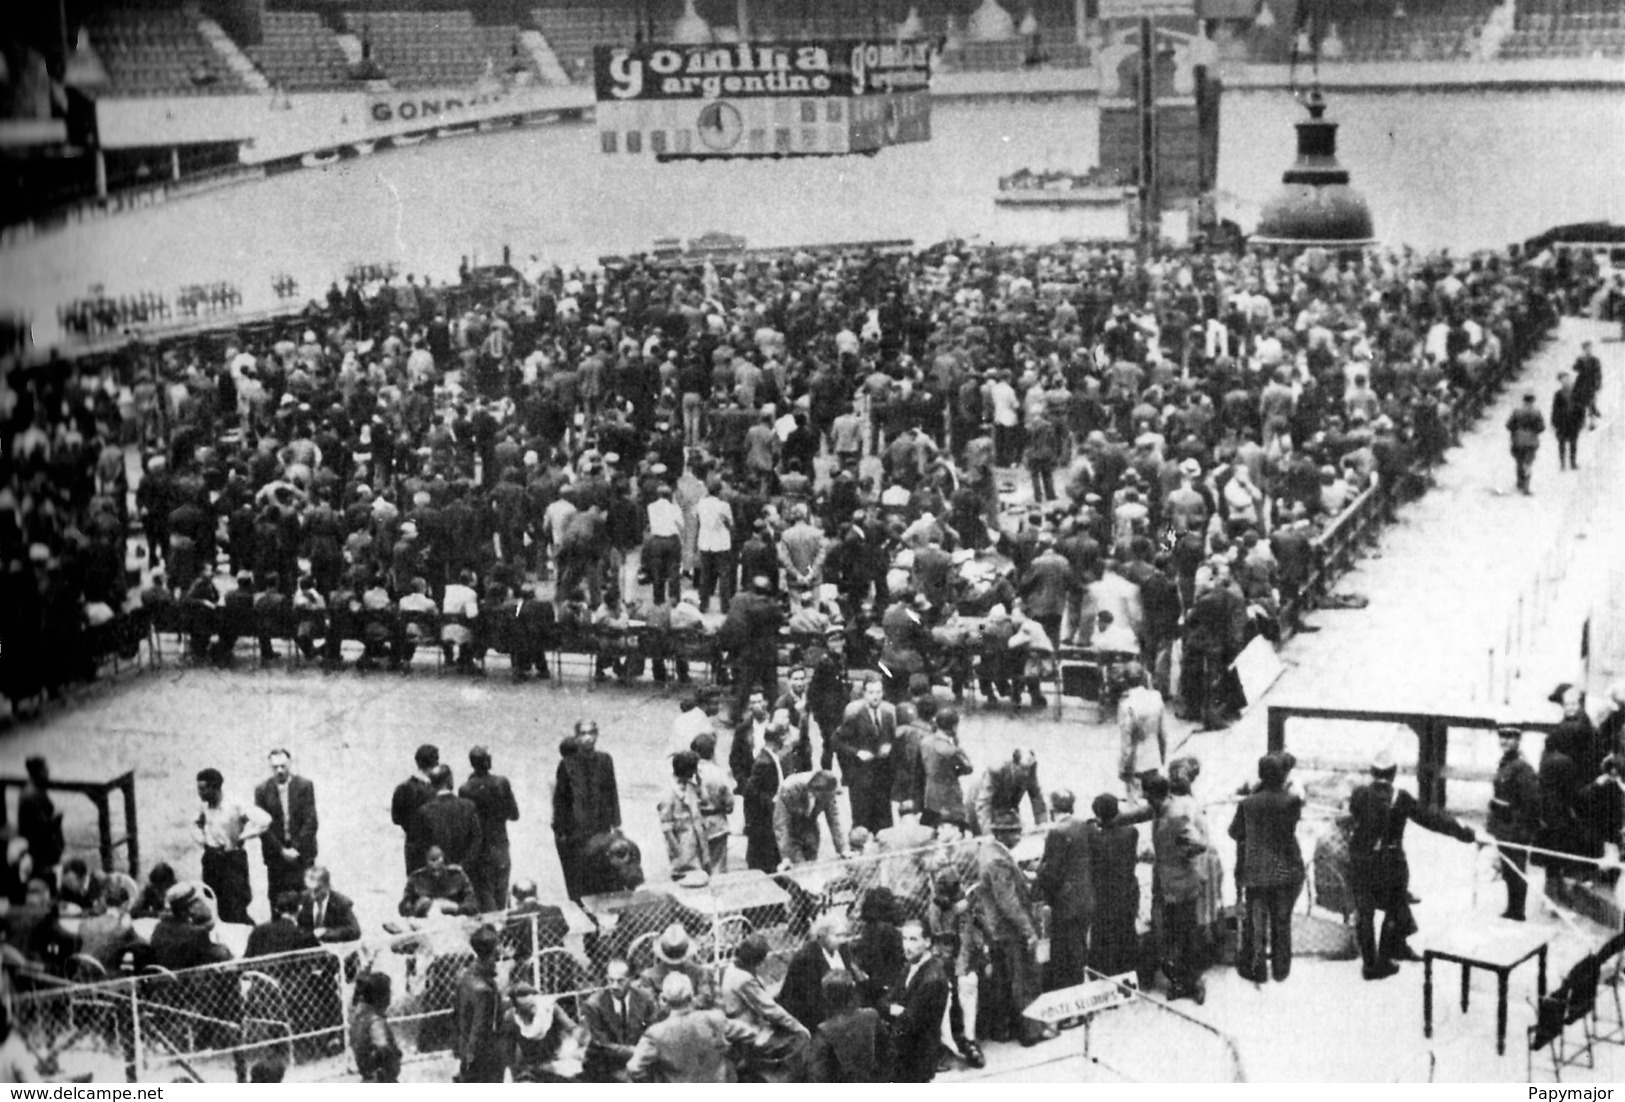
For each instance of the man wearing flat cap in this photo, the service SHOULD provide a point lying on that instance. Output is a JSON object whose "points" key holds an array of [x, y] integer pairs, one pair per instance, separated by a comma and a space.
{"points": [[1514, 818]]}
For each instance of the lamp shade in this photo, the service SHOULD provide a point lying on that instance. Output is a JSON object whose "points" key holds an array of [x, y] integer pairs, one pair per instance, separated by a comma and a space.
{"points": [[1316, 205]]}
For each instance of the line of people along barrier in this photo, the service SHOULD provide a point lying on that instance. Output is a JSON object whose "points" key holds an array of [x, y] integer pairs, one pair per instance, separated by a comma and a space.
{"points": [[214, 1023]]}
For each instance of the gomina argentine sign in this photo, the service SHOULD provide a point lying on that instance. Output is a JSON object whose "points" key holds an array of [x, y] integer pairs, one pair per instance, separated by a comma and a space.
{"points": [[747, 70], [780, 99]]}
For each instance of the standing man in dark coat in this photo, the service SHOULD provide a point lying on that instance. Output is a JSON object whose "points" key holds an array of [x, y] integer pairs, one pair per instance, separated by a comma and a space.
{"points": [[1213, 628], [1269, 870], [1064, 883], [477, 1013], [863, 745], [750, 636], [1047, 587], [1379, 875], [916, 1018], [761, 793], [586, 800], [1588, 379], [1526, 427], [1113, 843], [450, 822], [492, 797], [1569, 412], [289, 843], [38, 820], [1514, 818], [411, 794]]}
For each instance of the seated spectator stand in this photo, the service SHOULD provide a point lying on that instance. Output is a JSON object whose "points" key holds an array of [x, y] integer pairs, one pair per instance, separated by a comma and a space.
{"points": [[298, 53], [99, 792]]}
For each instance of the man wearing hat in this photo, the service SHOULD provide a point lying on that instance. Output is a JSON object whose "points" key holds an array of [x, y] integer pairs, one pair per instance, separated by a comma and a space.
{"points": [[1514, 818], [1526, 427], [674, 953], [221, 828], [1379, 875]]}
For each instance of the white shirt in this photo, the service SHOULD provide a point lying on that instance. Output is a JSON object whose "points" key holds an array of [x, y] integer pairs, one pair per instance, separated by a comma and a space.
{"points": [[665, 518], [716, 524]]}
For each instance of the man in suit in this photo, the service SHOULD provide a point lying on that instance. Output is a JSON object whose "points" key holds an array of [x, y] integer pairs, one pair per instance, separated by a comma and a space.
{"points": [[586, 800], [283, 934], [863, 745], [323, 911], [1063, 883], [532, 630], [803, 799], [749, 734], [826, 951], [916, 1019], [749, 635], [689, 1045], [1569, 412], [759, 795], [411, 794], [1269, 869], [615, 1018], [450, 822], [1047, 587], [289, 843], [492, 797]]}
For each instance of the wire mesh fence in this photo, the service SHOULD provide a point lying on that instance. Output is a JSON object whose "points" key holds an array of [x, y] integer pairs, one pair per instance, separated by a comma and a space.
{"points": [[214, 1023]]}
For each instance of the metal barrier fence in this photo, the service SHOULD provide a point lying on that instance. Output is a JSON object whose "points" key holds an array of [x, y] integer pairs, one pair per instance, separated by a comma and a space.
{"points": [[1148, 1041], [212, 1023]]}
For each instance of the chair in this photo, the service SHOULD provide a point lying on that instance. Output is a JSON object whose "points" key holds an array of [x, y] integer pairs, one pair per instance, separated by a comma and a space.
{"points": [[1611, 974], [1573, 1003]]}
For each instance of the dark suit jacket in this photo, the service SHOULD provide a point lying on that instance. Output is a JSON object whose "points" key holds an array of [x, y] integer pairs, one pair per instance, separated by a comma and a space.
{"points": [[851, 1048], [613, 1039], [586, 800], [916, 1032], [298, 829], [742, 752], [492, 797], [1063, 874], [802, 993], [1047, 584], [269, 938], [1265, 829], [410, 794], [453, 824], [339, 921]]}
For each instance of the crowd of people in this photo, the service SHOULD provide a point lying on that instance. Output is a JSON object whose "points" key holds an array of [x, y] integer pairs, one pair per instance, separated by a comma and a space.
{"points": [[822, 448], [840, 434]]}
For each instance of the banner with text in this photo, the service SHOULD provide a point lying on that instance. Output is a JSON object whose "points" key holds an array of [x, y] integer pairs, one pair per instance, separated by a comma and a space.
{"points": [[749, 70]]}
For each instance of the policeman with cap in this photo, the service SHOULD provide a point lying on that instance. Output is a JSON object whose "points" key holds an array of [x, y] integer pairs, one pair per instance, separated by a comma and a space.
{"points": [[1379, 875]]}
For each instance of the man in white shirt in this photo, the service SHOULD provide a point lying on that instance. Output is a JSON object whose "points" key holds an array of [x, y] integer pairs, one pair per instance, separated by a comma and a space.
{"points": [[221, 828], [715, 546], [1006, 420], [663, 550], [460, 606]]}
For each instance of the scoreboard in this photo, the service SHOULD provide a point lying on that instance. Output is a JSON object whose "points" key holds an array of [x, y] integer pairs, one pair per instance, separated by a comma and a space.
{"points": [[784, 99]]}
